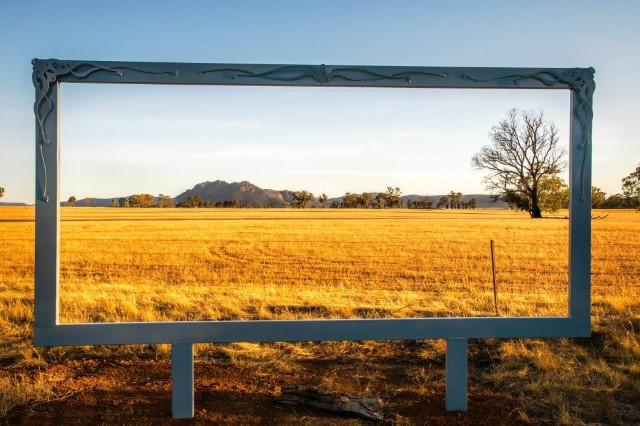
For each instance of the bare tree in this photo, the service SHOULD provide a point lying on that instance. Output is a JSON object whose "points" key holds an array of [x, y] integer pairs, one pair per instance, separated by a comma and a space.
{"points": [[524, 150]]}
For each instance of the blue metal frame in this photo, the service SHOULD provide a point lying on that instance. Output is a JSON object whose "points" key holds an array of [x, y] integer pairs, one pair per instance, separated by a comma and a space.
{"points": [[49, 74]]}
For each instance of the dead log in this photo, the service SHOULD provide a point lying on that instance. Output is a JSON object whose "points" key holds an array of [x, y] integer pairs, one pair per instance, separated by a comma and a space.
{"points": [[365, 408]]}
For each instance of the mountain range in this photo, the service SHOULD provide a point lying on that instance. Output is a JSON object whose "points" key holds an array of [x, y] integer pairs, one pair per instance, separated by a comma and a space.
{"points": [[245, 192], [253, 196]]}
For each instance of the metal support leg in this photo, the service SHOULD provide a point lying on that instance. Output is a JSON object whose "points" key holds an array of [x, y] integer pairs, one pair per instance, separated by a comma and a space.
{"points": [[182, 380], [457, 374]]}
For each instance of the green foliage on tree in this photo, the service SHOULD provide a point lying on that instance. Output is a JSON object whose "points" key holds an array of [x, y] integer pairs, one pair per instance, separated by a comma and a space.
{"points": [[365, 199], [427, 202], [141, 200], [553, 194], [598, 198], [472, 203], [631, 187], [1, 191], [322, 198], [523, 151], [72, 199], [301, 198], [165, 201], [443, 203], [629, 199], [388, 199], [423, 203], [392, 197], [194, 202], [350, 201], [455, 200], [232, 204], [619, 201]]}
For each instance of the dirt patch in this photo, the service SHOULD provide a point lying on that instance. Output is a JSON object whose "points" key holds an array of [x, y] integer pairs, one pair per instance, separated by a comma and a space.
{"points": [[139, 392]]}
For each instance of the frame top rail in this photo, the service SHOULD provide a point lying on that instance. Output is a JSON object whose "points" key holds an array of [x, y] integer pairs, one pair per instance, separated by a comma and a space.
{"points": [[47, 71]]}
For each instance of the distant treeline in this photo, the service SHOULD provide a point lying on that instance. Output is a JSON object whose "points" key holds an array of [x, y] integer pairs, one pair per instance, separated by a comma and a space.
{"points": [[165, 201], [391, 198], [553, 199], [599, 200]]}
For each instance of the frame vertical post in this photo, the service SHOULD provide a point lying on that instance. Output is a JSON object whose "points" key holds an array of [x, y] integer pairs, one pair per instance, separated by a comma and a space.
{"points": [[580, 213], [182, 406], [47, 253], [457, 374]]}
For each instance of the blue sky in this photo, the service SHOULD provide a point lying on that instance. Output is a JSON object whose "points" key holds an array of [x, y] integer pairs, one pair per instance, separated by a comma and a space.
{"points": [[118, 140]]}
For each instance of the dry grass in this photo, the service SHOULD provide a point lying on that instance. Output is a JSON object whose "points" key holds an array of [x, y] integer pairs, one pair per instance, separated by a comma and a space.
{"points": [[215, 264], [248, 264]]}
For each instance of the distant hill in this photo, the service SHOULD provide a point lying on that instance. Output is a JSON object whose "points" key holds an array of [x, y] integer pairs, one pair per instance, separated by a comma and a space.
{"points": [[249, 194], [7, 204]]}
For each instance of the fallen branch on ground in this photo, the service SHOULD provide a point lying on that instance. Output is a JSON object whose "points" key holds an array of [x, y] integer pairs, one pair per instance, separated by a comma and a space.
{"points": [[365, 408]]}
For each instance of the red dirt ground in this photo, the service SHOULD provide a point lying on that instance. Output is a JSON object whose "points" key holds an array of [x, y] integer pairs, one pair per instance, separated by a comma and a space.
{"points": [[138, 392]]}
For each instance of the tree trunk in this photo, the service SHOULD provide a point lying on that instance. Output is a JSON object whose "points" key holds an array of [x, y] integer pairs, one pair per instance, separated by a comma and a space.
{"points": [[535, 207]]}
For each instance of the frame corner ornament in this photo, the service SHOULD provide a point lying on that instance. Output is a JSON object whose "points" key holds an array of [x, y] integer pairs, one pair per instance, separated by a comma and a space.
{"points": [[46, 74], [580, 81]]}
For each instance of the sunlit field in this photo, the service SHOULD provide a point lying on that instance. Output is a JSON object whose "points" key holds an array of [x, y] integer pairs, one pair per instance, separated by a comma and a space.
{"points": [[217, 264], [120, 264]]}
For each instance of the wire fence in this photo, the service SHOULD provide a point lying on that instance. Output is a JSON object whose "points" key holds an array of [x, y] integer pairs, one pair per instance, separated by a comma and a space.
{"points": [[510, 258], [442, 272]]}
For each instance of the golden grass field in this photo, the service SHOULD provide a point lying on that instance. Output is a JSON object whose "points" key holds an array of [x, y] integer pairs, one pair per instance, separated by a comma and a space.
{"points": [[219, 264]]}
